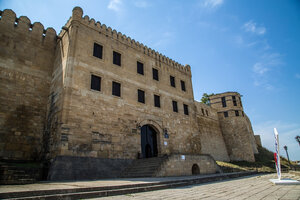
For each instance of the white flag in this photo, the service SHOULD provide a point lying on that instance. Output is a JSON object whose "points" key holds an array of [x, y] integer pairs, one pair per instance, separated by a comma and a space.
{"points": [[277, 156]]}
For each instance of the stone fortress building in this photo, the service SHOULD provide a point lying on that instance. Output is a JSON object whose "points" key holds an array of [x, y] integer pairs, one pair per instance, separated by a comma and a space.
{"points": [[92, 102]]}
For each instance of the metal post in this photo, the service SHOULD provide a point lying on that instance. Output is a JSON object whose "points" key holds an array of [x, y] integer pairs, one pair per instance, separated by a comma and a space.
{"points": [[285, 148]]}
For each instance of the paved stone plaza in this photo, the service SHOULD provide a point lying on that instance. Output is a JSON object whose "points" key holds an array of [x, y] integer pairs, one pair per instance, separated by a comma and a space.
{"points": [[253, 187]]}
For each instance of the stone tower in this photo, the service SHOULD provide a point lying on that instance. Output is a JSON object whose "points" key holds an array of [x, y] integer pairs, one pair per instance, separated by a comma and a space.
{"points": [[236, 127]]}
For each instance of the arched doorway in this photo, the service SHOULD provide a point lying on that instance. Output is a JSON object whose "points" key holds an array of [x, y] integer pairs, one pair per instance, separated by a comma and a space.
{"points": [[195, 169], [148, 142]]}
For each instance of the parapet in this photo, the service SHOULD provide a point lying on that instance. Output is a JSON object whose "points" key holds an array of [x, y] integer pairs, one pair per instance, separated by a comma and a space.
{"points": [[77, 15], [229, 93], [9, 21]]}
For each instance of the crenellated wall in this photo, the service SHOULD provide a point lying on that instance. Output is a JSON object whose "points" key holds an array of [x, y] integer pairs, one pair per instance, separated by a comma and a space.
{"points": [[26, 62], [96, 123], [122, 38], [48, 109]]}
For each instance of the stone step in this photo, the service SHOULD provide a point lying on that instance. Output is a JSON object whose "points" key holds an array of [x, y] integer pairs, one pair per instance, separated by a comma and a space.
{"points": [[144, 167], [146, 174], [93, 192], [18, 173]]}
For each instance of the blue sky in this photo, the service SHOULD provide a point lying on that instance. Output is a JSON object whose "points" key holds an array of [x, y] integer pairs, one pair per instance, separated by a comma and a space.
{"points": [[252, 47]]}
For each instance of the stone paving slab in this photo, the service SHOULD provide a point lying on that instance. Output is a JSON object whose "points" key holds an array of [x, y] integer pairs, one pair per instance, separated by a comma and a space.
{"points": [[251, 187], [95, 183]]}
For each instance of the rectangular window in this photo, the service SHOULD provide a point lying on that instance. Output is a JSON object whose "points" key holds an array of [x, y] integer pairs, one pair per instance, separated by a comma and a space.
{"points": [[206, 112], [223, 101], [157, 101], [182, 85], [185, 109], [155, 74], [141, 96], [97, 50], [237, 113], [243, 113], [172, 81], [116, 89], [234, 101], [226, 114], [95, 83], [140, 68], [116, 58], [202, 111], [175, 108]]}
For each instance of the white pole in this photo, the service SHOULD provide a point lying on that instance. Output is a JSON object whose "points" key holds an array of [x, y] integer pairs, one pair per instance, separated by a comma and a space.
{"points": [[278, 169]]}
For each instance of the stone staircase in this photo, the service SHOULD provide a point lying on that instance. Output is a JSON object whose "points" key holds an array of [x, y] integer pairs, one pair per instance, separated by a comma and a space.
{"points": [[146, 167], [18, 174]]}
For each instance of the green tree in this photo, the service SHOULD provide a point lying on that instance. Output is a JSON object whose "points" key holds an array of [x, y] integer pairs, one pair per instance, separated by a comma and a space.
{"points": [[205, 98]]}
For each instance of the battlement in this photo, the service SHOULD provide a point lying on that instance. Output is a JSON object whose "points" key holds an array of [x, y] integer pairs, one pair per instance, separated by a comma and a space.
{"points": [[10, 22], [77, 15]]}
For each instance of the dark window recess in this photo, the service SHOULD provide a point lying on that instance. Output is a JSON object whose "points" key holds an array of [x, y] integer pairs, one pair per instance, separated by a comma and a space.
{"points": [[116, 89], [172, 81], [155, 74], [226, 114], [182, 85], [141, 96], [223, 101], [157, 101], [186, 109], [206, 112], [234, 101], [202, 111], [97, 50], [117, 58], [237, 113], [96, 83], [243, 113], [140, 68], [175, 108]]}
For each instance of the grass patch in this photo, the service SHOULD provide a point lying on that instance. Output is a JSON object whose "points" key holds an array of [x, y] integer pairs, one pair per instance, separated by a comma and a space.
{"points": [[264, 162]]}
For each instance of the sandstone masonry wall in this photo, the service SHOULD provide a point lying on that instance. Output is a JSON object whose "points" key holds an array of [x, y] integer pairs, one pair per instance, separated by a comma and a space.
{"points": [[48, 109], [98, 124], [181, 165], [26, 60], [212, 141], [236, 127]]}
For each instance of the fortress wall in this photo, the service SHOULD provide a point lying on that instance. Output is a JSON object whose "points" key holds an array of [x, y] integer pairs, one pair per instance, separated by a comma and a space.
{"points": [[216, 102], [251, 135], [26, 62], [212, 141], [258, 140], [98, 124], [237, 137], [181, 165], [236, 127]]}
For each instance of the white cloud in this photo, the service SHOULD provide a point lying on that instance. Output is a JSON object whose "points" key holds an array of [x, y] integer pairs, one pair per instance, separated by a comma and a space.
{"points": [[141, 4], [165, 39], [114, 5], [212, 3], [259, 68], [268, 62], [253, 28], [287, 133], [297, 76]]}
